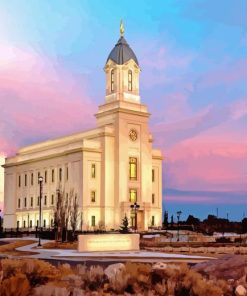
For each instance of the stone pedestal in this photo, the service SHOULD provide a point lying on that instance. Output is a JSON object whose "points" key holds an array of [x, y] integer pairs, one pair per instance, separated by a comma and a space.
{"points": [[108, 242]]}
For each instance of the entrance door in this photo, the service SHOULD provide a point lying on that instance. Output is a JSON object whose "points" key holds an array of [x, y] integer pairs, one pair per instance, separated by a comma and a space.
{"points": [[140, 220]]}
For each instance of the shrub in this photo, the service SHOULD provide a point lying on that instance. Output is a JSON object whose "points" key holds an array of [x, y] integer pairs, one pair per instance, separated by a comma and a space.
{"points": [[15, 285]]}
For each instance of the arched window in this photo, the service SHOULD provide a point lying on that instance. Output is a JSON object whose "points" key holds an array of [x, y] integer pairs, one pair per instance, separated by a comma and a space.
{"points": [[112, 80], [130, 80]]}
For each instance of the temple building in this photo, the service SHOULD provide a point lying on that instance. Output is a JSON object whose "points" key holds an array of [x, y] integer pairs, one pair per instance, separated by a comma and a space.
{"points": [[109, 167]]}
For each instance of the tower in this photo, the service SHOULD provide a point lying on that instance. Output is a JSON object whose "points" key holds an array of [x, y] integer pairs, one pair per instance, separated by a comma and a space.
{"points": [[132, 156]]}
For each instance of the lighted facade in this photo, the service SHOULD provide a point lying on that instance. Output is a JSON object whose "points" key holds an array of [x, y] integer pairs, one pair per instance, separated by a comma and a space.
{"points": [[109, 167]]}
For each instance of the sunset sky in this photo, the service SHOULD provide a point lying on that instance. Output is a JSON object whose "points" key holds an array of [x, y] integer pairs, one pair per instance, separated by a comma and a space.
{"points": [[193, 57]]}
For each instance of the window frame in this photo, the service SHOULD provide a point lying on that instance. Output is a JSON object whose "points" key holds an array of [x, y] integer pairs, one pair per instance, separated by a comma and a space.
{"points": [[93, 221], [153, 198], [112, 80], [93, 170], [93, 196], [133, 162], [130, 80], [132, 190]]}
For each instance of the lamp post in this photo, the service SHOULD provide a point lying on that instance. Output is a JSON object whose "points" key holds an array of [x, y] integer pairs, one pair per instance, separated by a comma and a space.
{"points": [[135, 207], [178, 216], [0, 221], [40, 200]]}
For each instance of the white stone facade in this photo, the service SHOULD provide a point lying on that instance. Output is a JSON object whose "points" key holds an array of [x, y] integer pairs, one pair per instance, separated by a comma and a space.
{"points": [[93, 163]]}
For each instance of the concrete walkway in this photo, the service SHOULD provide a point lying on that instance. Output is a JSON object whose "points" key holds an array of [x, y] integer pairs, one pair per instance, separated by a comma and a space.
{"points": [[74, 255]]}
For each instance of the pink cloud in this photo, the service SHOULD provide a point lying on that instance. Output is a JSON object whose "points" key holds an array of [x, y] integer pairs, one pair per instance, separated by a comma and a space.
{"points": [[39, 99]]}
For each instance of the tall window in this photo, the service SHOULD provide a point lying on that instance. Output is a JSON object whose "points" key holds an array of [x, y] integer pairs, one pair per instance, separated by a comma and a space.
{"points": [[67, 173], [25, 179], [130, 80], [51, 222], [153, 175], [133, 168], [153, 220], [60, 174], [52, 199], [38, 201], [24, 224], [19, 203], [31, 202], [93, 221], [38, 176], [44, 223], [19, 181], [153, 198], [32, 179], [52, 175], [25, 202], [45, 200], [112, 80], [133, 195], [93, 196], [30, 223], [93, 170], [45, 176]]}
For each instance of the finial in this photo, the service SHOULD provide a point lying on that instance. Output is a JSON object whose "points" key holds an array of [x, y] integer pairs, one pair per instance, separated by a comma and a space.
{"points": [[121, 28]]}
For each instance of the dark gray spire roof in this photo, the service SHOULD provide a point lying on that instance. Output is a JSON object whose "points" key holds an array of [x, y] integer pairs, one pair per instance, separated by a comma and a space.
{"points": [[122, 53]]}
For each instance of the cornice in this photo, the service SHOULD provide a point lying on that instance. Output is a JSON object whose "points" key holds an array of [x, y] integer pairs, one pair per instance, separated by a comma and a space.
{"points": [[59, 154]]}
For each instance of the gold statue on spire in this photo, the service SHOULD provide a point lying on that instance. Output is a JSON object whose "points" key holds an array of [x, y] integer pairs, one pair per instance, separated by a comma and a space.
{"points": [[121, 28]]}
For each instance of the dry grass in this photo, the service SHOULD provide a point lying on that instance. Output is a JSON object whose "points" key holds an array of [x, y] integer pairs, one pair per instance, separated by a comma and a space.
{"points": [[59, 245], [10, 248]]}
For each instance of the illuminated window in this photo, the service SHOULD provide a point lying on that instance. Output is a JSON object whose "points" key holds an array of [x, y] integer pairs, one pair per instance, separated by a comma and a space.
{"points": [[153, 175], [93, 221], [130, 80], [19, 203], [52, 175], [133, 168], [93, 196], [133, 195], [45, 176], [19, 181], [25, 179], [32, 179], [60, 174], [31, 202], [93, 170], [153, 220], [112, 80], [153, 198]]}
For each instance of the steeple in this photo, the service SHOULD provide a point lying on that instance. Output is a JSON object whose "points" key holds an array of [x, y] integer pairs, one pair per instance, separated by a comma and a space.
{"points": [[122, 72]]}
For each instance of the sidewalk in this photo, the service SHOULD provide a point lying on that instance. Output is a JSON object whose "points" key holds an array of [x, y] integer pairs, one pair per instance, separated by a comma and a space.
{"points": [[141, 256]]}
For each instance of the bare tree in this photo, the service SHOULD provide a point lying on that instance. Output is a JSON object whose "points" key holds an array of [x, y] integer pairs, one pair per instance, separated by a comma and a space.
{"points": [[74, 212], [66, 214]]}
